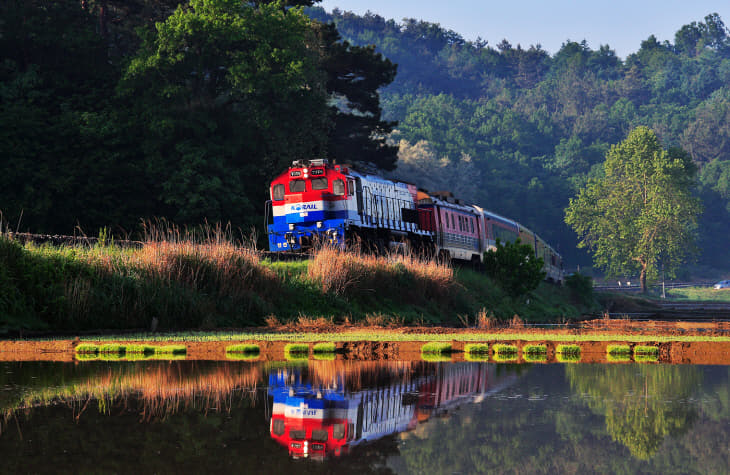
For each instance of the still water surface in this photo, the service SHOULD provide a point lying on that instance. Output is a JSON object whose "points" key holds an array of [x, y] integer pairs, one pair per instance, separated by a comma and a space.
{"points": [[363, 417]]}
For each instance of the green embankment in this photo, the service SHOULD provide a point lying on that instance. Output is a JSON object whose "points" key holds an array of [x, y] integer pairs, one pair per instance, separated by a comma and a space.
{"points": [[193, 286]]}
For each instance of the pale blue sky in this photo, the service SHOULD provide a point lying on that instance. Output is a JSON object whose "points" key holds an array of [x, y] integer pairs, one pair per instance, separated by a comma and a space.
{"points": [[622, 24]]}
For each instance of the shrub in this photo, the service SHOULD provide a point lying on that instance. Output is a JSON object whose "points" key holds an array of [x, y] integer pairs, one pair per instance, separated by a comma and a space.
{"points": [[514, 267], [581, 287]]}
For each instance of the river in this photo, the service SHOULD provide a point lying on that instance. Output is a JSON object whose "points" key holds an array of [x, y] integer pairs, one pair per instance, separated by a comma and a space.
{"points": [[362, 417]]}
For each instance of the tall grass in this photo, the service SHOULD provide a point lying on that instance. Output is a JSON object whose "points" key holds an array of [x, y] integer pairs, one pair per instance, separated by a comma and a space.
{"points": [[351, 274]]}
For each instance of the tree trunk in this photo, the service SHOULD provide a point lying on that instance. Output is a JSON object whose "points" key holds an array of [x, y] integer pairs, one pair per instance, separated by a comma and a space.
{"points": [[642, 278]]}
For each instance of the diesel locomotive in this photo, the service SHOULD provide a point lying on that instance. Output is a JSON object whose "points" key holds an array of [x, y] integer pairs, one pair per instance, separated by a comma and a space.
{"points": [[315, 201]]}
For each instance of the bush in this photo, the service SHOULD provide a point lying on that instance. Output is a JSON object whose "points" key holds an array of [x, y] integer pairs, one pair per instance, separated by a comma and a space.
{"points": [[581, 287], [514, 267]]}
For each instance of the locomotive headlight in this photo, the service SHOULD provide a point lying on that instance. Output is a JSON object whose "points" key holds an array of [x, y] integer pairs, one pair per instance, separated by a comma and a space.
{"points": [[291, 226], [306, 170], [319, 224]]}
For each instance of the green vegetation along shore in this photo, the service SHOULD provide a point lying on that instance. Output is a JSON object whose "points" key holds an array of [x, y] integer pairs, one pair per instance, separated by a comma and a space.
{"points": [[176, 283]]}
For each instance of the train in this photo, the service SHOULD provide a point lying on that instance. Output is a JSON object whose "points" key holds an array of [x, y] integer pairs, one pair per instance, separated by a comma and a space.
{"points": [[328, 419], [315, 201]]}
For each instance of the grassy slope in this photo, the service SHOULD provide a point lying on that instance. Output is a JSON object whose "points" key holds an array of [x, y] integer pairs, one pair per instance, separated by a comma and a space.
{"points": [[185, 285]]}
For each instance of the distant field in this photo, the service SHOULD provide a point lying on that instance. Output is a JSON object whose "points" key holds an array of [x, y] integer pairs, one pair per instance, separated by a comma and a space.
{"points": [[700, 293]]}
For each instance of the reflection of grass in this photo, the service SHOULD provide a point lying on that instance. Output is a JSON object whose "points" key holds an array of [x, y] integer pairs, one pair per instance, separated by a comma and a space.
{"points": [[646, 354], [567, 353], [535, 356], [171, 350], [296, 351], [139, 350], [324, 356], [476, 356], [87, 356], [435, 357], [109, 356], [644, 358]]}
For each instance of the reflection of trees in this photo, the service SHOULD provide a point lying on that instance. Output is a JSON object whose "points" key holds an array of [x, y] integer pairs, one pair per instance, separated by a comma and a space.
{"points": [[642, 405]]}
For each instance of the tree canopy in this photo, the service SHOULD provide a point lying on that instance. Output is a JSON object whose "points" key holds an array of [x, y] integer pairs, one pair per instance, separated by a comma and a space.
{"points": [[641, 213]]}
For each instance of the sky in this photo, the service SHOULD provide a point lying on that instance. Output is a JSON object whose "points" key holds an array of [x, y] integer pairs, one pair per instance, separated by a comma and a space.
{"points": [[621, 24]]}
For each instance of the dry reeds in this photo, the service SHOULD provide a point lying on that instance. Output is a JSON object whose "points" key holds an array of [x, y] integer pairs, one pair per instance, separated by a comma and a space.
{"points": [[348, 273]]}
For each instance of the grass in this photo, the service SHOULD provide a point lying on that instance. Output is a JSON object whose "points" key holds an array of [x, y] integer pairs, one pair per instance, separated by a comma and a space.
{"points": [[243, 351], [436, 347], [87, 348], [476, 349], [567, 353], [699, 293], [139, 350], [534, 349], [111, 349], [186, 279], [323, 348]]}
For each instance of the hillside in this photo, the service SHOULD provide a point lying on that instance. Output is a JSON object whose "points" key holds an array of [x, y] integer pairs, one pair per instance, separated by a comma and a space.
{"points": [[518, 131]]}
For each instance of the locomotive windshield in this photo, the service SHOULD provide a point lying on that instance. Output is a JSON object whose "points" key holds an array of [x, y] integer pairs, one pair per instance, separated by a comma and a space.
{"points": [[319, 183], [297, 186]]}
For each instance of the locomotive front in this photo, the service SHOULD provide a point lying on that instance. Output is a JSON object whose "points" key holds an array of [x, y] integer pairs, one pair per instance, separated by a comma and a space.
{"points": [[309, 202]]}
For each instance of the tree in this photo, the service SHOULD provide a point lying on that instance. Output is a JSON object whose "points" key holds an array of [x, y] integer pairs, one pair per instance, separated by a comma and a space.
{"points": [[354, 74], [641, 212], [515, 267]]}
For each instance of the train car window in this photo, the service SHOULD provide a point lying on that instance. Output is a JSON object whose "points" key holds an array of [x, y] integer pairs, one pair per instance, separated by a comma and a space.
{"points": [[350, 187], [338, 187], [472, 225], [277, 193], [453, 223], [319, 183], [297, 186], [297, 434]]}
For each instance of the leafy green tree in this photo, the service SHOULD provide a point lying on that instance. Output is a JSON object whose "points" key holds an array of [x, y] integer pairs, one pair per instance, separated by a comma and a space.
{"points": [[641, 212], [515, 267], [228, 94]]}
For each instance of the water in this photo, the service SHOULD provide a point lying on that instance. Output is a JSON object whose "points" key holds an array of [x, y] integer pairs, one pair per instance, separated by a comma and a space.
{"points": [[363, 417]]}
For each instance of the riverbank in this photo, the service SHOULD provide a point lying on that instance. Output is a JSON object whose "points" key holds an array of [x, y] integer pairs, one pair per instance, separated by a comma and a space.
{"points": [[186, 282], [598, 341]]}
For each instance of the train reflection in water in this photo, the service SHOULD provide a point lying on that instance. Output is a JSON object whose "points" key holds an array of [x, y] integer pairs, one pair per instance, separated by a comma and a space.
{"points": [[317, 420]]}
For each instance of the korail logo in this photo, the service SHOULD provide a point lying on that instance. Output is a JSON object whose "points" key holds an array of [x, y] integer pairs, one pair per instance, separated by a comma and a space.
{"points": [[303, 207]]}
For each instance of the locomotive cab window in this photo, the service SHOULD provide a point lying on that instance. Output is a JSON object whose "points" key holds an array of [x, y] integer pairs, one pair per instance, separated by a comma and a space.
{"points": [[297, 186], [319, 183], [277, 192], [338, 187], [350, 187]]}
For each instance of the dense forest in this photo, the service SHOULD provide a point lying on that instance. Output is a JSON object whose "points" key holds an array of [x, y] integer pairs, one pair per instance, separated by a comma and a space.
{"points": [[519, 131], [113, 112]]}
